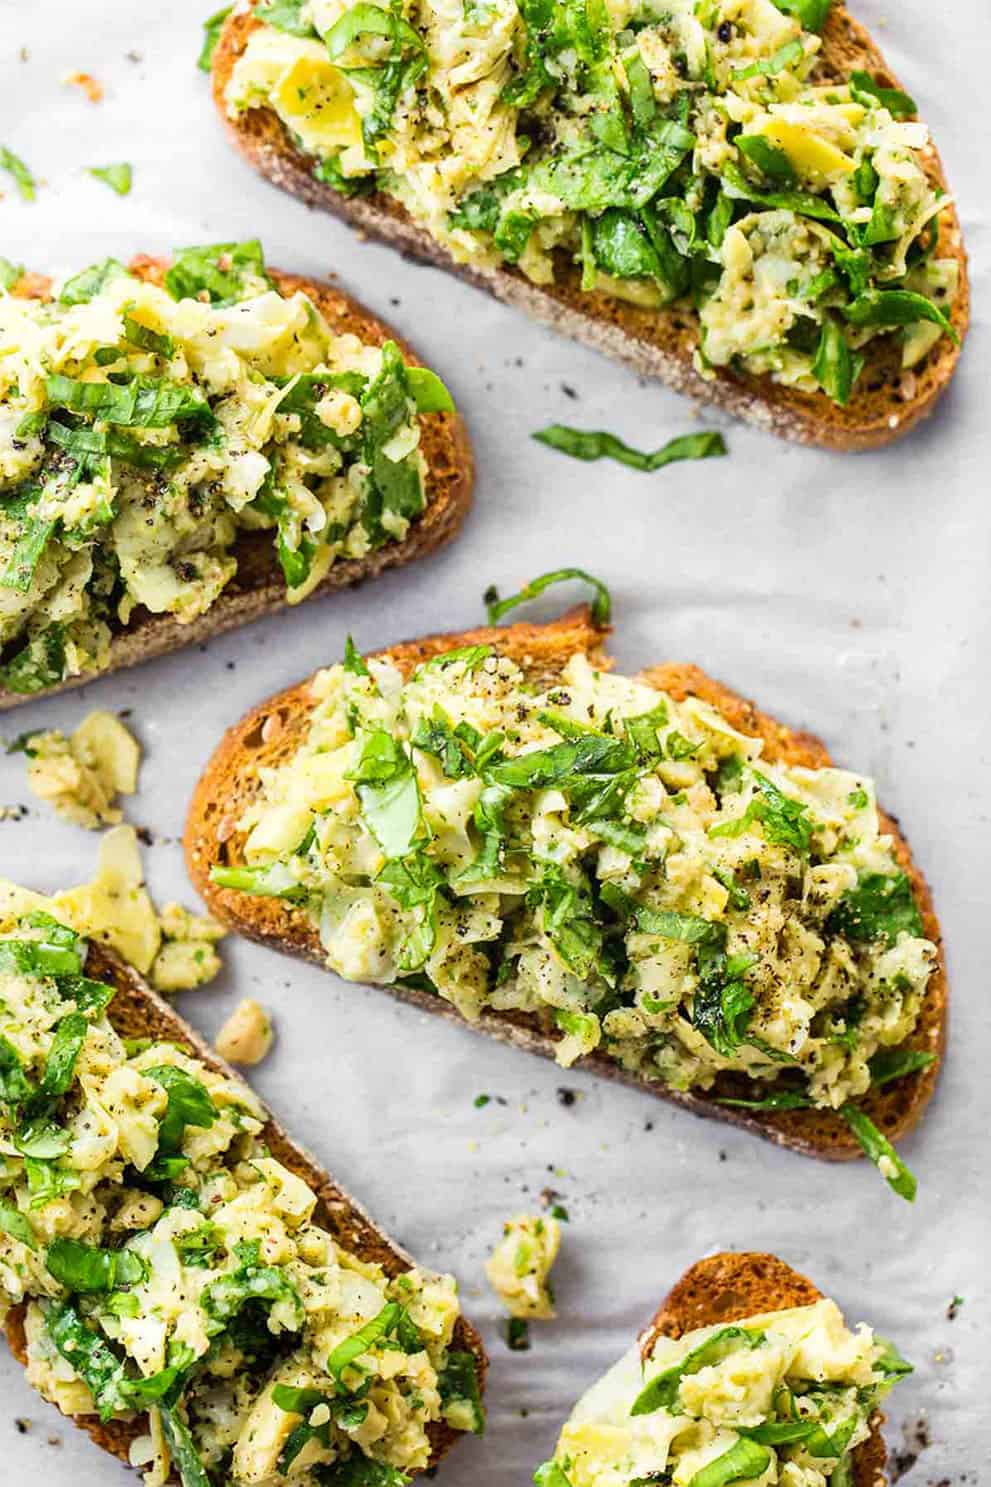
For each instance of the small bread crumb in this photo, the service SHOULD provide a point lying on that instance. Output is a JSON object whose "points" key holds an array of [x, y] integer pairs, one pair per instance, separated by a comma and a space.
{"points": [[247, 1035]]}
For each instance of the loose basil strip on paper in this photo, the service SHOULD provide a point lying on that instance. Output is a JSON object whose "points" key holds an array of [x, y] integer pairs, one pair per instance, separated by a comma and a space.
{"points": [[583, 444], [601, 603]]}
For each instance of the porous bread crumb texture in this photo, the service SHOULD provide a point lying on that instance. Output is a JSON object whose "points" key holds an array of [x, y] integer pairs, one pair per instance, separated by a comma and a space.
{"points": [[654, 343], [258, 587], [728, 1287], [138, 1012], [273, 731]]}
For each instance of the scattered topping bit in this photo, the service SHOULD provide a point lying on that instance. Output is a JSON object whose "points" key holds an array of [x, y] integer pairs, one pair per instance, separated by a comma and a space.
{"points": [[953, 1310], [519, 1267], [23, 177], [247, 1035], [175, 950], [518, 1335], [212, 27], [10, 273], [86, 83], [587, 445], [82, 775], [117, 177], [188, 957]]}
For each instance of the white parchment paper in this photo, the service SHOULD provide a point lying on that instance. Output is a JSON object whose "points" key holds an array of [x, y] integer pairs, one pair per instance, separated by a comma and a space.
{"points": [[847, 594]]}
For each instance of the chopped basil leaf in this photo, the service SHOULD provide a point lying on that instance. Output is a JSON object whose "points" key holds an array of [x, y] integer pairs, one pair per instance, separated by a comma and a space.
{"points": [[9, 273], [189, 1104], [898, 104], [17, 1225], [792, 51], [389, 793], [811, 14], [285, 15], [551, 1474], [84, 286], [182, 1448], [661, 1392], [117, 177], [23, 178], [89, 1356], [890, 1361], [457, 1382], [212, 27], [896, 307], [428, 391], [218, 270], [87, 1268], [224, 1297], [269, 880], [836, 368], [895, 1063], [348, 1351], [585, 444], [782, 1100], [601, 604], [518, 1334], [745, 1459], [881, 907], [771, 161], [881, 1152]]}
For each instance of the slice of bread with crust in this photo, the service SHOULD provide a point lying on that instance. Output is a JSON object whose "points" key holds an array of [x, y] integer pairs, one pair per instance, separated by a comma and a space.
{"points": [[138, 1012], [728, 1287], [656, 343], [258, 587], [271, 732]]}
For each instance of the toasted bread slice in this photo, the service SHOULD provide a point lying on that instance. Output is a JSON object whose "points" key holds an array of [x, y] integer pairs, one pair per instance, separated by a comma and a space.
{"points": [[728, 1287], [138, 1012], [258, 587], [272, 732], [656, 343]]}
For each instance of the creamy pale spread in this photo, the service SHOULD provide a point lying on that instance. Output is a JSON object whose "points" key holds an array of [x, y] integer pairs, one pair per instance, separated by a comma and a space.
{"points": [[785, 1398], [176, 1275], [145, 427], [678, 151], [627, 868]]}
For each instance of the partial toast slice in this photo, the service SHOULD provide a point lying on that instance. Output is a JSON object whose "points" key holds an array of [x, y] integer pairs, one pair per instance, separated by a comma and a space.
{"points": [[656, 343], [271, 732], [728, 1287], [138, 1012], [258, 587]]}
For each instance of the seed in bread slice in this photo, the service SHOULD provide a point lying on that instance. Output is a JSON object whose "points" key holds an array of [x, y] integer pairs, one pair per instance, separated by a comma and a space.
{"points": [[657, 343], [258, 587], [727, 1287], [138, 1012], [273, 731]]}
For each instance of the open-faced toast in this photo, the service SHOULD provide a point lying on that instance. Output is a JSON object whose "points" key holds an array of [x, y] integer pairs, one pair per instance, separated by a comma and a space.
{"points": [[259, 587], [138, 1012], [273, 731], [886, 402], [726, 1287]]}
